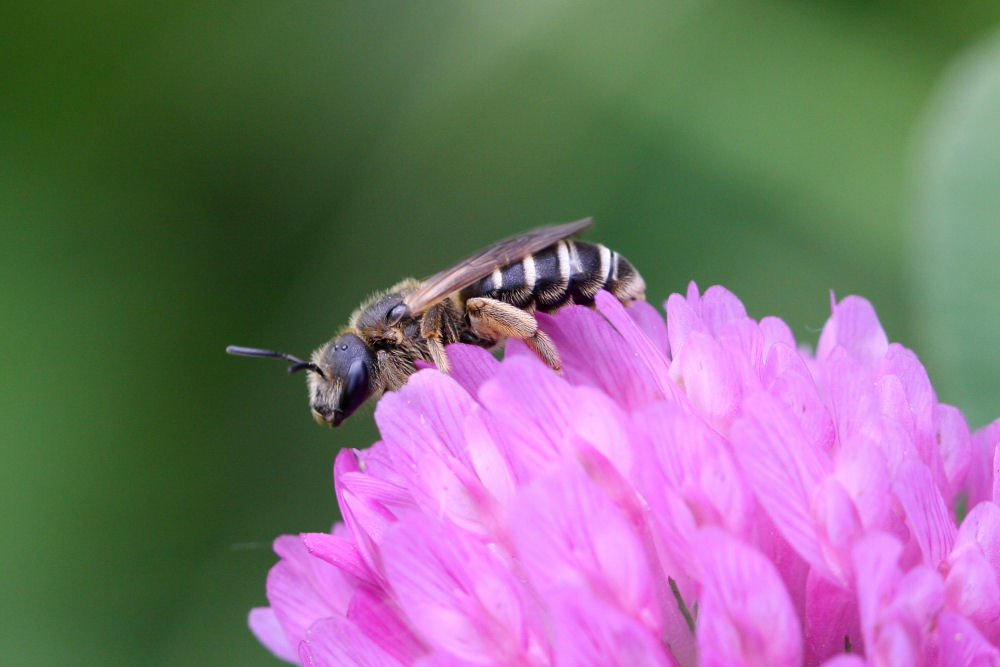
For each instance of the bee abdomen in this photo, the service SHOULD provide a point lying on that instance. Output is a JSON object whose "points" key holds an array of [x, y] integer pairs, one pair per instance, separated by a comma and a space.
{"points": [[565, 272]]}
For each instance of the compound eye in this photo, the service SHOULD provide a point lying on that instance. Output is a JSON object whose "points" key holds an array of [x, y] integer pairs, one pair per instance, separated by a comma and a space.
{"points": [[358, 387], [397, 313]]}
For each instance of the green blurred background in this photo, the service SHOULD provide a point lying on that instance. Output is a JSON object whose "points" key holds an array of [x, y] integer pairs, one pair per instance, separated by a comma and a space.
{"points": [[176, 177]]}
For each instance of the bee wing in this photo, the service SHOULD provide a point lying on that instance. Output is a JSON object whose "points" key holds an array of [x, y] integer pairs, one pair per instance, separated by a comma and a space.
{"points": [[481, 264]]}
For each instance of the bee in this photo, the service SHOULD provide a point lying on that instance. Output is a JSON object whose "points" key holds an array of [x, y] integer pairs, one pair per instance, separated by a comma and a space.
{"points": [[483, 300]]}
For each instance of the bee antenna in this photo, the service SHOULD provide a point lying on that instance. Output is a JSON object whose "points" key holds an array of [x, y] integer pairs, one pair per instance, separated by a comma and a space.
{"points": [[255, 352], [297, 365], [306, 365]]}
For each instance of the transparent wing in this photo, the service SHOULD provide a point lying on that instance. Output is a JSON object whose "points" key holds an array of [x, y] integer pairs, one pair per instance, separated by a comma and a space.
{"points": [[481, 264]]}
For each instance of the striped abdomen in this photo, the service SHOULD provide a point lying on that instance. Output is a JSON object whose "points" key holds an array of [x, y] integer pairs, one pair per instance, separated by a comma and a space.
{"points": [[565, 272]]}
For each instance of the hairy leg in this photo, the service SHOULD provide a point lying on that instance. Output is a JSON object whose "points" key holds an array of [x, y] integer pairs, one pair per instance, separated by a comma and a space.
{"points": [[431, 331], [495, 319]]}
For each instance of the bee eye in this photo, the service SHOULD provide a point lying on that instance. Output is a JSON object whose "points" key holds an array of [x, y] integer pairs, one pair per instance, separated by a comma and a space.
{"points": [[397, 313], [357, 388]]}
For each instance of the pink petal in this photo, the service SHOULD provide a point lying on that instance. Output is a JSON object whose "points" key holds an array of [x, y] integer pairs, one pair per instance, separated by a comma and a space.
{"points": [[444, 487], [784, 470], [654, 364], [854, 326], [904, 364], [693, 297], [961, 643], [460, 596], [337, 641], [380, 463], [302, 588], [786, 377], [601, 424], [981, 531], [983, 482], [367, 503], [926, 514], [996, 475], [589, 631], [776, 331], [719, 307], [295, 601], [669, 527], [682, 320], [380, 620], [425, 415], [862, 471], [595, 354], [745, 616], [536, 417], [906, 397], [649, 320], [919, 599], [569, 533], [951, 433], [487, 460], [839, 527], [682, 453], [875, 566], [843, 660], [832, 622], [897, 643], [442, 659], [268, 630], [973, 590], [792, 568], [533, 409], [705, 373], [972, 585], [851, 396], [898, 611], [340, 551], [673, 528], [471, 366], [744, 343], [389, 494], [424, 426]]}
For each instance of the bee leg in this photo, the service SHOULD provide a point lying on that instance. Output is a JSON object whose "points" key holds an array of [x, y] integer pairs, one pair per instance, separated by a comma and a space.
{"points": [[430, 330], [493, 319], [391, 372]]}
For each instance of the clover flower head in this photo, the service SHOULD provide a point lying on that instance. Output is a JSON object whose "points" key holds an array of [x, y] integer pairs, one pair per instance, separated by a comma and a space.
{"points": [[697, 491]]}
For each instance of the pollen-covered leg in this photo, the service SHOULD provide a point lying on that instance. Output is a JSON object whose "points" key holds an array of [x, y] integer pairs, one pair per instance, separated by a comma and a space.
{"points": [[431, 331], [545, 348], [493, 319]]}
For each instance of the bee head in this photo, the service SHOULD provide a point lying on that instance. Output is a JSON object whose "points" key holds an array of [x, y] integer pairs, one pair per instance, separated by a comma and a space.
{"points": [[341, 378]]}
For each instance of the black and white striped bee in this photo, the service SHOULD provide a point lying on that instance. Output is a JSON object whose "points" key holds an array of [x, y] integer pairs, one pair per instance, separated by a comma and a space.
{"points": [[483, 300]]}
